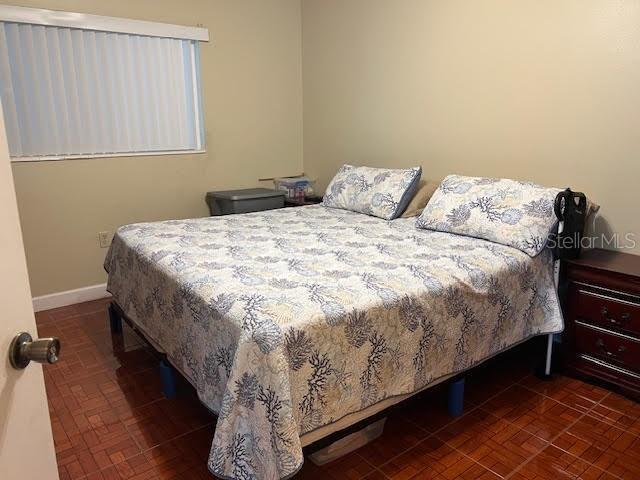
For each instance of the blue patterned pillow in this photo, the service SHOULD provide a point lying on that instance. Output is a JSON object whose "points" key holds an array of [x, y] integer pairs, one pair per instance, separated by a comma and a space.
{"points": [[518, 214], [381, 192]]}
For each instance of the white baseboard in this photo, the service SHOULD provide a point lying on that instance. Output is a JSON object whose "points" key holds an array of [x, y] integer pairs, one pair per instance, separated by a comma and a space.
{"points": [[62, 299]]}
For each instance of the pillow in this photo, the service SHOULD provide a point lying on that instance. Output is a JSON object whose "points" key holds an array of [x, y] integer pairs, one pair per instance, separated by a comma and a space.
{"points": [[518, 214], [381, 192], [421, 198]]}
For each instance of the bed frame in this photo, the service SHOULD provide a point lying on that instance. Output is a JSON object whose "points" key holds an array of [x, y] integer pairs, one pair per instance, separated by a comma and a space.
{"points": [[167, 371]]}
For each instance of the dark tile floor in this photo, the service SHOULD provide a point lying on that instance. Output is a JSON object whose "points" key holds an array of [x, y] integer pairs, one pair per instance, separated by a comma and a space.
{"points": [[110, 420]]}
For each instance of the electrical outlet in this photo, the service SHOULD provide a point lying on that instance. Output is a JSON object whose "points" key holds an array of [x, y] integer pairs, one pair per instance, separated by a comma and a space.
{"points": [[104, 239]]}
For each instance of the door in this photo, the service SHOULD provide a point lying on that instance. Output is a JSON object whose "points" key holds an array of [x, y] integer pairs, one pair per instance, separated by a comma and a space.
{"points": [[26, 443]]}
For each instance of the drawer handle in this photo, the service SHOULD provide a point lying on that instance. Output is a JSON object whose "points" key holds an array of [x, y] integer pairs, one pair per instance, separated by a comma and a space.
{"points": [[624, 318], [600, 344]]}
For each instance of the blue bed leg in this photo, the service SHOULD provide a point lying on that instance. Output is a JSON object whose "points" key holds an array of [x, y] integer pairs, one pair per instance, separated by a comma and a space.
{"points": [[115, 320], [456, 397], [168, 378]]}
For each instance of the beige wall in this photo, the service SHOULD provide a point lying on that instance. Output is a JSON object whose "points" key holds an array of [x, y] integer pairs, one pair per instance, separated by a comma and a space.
{"points": [[547, 90], [544, 90], [251, 79]]}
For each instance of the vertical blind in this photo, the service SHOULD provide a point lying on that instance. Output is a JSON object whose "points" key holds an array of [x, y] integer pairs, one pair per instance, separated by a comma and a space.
{"points": [[72, 92]]}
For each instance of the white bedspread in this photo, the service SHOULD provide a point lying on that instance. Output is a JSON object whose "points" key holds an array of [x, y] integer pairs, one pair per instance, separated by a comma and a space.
{"points": [[289, 320]]}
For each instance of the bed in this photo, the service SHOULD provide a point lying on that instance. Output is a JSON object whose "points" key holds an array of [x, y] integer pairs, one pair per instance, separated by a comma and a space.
{"points": [[294, 323]]}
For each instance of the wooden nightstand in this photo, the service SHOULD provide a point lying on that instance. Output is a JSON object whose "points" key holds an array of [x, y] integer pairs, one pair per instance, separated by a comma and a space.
{"points": [[602, 318]]}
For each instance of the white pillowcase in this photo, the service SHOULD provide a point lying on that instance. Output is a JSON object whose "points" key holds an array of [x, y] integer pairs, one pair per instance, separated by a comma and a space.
{"points": [[510, 212], [381, 192]]}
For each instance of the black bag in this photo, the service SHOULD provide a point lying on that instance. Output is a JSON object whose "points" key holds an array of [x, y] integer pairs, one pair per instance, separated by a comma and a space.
{"points": [[571, 209]]}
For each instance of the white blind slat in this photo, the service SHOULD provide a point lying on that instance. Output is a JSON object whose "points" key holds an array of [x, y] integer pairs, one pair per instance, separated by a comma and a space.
{"points": [[9, 101], [95, 83], [71, 92], [33, 99], [188, 91], [106, 90], [151, 95], [20, 88], [159, 86], [86, 94], [58, 89], [195, 99], [48, 110], [121, 92], [179, 79], [141, 94]]}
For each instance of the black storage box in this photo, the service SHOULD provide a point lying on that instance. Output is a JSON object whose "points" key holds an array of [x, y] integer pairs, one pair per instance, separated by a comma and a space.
{"points": [[244, 201]]}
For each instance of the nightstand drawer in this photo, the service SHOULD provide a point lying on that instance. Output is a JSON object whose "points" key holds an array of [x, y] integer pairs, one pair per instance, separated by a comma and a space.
{"points": [[617, 349], [602, 318], [598, 307]]}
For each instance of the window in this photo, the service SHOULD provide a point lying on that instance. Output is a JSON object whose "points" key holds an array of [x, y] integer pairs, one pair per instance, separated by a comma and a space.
{"points": [[75, 85]]}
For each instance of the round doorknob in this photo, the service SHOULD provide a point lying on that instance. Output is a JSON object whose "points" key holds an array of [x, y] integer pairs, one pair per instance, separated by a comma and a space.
{"points": [[24, 349]]}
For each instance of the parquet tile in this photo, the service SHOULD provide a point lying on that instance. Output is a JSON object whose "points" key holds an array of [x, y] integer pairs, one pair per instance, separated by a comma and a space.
{"points": [[568, 391], [553, 463], [399, 435], [111, 421]]}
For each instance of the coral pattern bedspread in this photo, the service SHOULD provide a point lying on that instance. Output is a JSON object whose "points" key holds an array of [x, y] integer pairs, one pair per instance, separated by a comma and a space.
{"points": [[290, 319]]}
